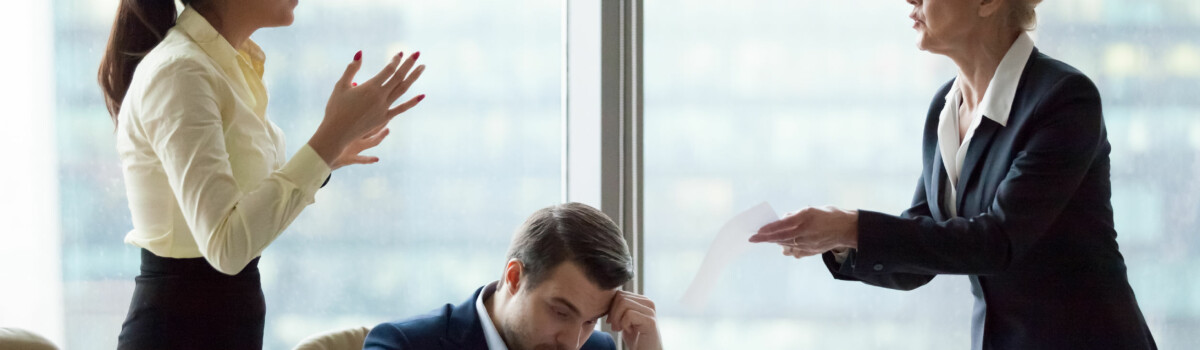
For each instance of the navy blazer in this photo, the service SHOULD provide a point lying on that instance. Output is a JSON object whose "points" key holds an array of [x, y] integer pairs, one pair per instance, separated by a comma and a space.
{"points": [[1035, 233], [450, 328]]}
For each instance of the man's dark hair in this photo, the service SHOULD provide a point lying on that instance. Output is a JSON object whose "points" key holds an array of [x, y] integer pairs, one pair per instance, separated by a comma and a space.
{"points": [[572, 232]]}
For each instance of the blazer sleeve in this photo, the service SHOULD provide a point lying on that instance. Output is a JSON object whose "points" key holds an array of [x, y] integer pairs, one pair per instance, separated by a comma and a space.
{"points": [[386, 337], [1065, 137], [897, 280]]}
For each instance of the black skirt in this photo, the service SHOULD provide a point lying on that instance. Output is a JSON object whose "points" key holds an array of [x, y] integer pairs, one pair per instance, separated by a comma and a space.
{"points": [[187, 304]]}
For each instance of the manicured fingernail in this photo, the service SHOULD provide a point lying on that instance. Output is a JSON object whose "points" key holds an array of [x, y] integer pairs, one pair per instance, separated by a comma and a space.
{"points": [[353, 84], [358, 56], [401, 54], [422, 97], [416, 54]]}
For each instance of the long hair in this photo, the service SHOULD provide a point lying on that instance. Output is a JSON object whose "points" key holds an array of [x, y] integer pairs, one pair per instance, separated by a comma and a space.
{"points": [[139, 26]]}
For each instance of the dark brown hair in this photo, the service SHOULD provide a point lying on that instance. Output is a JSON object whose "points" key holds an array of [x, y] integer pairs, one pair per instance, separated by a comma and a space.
{"points": [[572, 232], [139, 26]]}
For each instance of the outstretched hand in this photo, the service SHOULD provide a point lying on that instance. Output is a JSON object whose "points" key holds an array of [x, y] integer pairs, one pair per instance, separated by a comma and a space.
{"points": [[811, 231]]}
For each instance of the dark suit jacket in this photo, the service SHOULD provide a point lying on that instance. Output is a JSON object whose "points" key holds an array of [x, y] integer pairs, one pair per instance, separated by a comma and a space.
{"points": [[450, 328], [1035, 231]]}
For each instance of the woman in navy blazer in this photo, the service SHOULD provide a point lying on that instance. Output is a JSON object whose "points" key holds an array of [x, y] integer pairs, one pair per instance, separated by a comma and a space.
{"points": [[1015, 193]]}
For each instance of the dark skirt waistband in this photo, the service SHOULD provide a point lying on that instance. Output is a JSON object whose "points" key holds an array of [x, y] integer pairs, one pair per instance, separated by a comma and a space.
{"points": [[193, 267]]}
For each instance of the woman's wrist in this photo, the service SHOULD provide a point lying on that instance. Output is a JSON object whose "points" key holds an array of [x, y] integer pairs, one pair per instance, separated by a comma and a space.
{"points": [[326, 146]]}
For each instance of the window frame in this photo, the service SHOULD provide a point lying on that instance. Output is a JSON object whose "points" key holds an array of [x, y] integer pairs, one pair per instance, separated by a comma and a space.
{"points": [[602, 116]]}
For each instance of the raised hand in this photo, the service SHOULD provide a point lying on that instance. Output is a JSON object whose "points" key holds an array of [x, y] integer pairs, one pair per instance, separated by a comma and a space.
{"points": [[356, 114]]}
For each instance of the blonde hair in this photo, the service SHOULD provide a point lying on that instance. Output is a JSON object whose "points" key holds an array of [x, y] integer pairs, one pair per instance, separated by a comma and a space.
{"points": [[1022, 14]]}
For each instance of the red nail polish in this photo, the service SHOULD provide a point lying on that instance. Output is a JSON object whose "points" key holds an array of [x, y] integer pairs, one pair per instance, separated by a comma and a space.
{"points": [[422, 97], [353, 84], [358, 56], [401, 54], [416, 54]]}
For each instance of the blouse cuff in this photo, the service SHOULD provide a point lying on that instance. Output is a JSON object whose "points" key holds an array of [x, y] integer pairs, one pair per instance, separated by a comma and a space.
{"points": [[306, 169]]}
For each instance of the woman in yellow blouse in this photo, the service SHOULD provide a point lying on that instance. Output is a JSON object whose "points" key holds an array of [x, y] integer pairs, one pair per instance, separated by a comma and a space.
{"points": [[208, 185]]}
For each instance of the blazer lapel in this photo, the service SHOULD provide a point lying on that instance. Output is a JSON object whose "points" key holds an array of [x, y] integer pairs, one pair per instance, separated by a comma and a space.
{"points": [[936, 188], [464, 330], [980, 143]]}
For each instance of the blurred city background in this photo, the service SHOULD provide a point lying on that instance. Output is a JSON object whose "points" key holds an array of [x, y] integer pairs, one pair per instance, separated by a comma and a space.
{"points": [[793, 102]]}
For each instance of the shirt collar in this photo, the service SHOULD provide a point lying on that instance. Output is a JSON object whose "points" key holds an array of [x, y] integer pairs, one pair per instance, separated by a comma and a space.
{"points": [[494, 341], [229, 58], [998, 99]]}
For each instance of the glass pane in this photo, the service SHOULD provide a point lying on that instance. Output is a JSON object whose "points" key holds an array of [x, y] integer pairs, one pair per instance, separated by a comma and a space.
{"points": [[423, 227], [822, 103]]}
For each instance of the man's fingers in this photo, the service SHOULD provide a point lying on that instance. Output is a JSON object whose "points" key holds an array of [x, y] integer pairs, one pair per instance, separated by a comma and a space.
{"points": [[632, 339], [633, 315], [405, 106], [623, 304], [638, 298], [351, 70], [632, 320], [615, 311]]}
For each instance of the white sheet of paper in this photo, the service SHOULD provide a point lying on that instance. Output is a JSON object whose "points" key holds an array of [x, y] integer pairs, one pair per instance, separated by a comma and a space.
{"points": [[731, 243]]}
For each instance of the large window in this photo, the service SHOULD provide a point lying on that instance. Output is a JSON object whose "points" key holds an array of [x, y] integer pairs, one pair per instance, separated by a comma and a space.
{"points": [[822, 103], [793, 102], [425, 226]]}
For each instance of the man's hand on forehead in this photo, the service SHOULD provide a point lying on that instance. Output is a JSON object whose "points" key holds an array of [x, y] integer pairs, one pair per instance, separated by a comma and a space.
{"points": [[634, 316]]}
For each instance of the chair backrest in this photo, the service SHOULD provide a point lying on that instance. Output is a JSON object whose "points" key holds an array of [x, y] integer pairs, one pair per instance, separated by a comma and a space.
{"points": [[20, 339], [342, 339]]}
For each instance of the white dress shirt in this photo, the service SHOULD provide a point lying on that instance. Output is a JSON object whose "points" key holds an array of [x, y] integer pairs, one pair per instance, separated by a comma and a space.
{"points": [[997, 100], [204, 168], [494, 341]]}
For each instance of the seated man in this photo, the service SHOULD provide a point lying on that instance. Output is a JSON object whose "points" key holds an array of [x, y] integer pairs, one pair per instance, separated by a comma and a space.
{"points": [[564, 269]]}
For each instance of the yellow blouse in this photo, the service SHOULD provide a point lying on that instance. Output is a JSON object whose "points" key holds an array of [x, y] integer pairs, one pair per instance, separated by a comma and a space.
{"points": [[204, 168]]}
